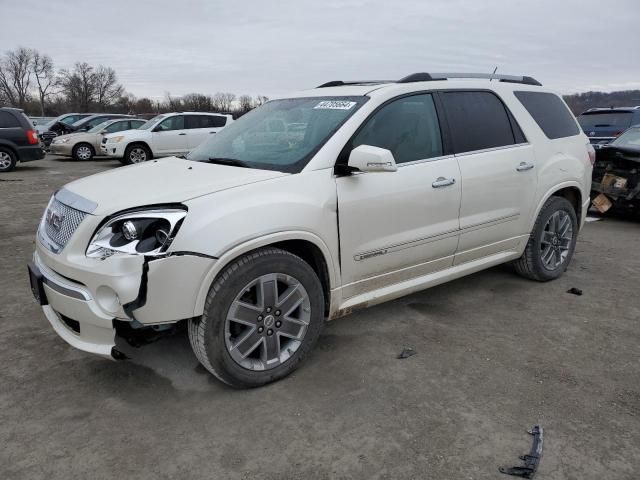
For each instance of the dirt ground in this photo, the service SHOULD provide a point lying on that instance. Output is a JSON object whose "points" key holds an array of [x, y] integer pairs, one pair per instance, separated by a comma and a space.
{"points": [[496, 354]]}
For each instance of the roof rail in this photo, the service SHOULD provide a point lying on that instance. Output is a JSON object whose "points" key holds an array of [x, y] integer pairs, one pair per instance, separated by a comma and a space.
{"points": [[340, 83], [424, 77]]}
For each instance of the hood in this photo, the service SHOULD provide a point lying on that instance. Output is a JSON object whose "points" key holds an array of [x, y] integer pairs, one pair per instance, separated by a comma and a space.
{"points": [[166, 180], [73, 135]]}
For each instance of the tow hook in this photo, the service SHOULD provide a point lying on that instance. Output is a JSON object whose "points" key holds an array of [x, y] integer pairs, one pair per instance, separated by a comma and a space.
{"points": [[531, 460]]}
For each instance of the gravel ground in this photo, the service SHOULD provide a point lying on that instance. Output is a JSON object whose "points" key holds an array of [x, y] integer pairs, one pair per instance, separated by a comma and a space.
{"points": [[495, 355]]}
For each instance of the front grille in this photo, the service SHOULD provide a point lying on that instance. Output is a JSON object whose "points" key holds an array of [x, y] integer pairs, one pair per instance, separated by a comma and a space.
{"points": [[60, 222]]}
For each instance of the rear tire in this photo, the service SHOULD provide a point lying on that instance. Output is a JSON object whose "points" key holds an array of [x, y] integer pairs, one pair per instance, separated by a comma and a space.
{"points": [[83, 152], [262, 316], [7, 160], [136, 153], [551, 243]]}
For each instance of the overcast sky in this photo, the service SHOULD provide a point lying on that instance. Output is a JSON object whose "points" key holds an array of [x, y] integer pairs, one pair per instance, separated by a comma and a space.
{"points": [[272, 47]]}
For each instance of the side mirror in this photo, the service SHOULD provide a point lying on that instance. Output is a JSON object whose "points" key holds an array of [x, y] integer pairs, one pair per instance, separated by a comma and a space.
{"points": [[367, 158]]}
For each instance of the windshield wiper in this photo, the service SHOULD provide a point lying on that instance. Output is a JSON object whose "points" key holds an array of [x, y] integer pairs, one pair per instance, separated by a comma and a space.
{"points": [[232, 162]]}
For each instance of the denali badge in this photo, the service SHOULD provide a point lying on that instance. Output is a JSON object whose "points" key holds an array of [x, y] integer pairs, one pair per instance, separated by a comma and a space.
{"points": [[54, 219]]}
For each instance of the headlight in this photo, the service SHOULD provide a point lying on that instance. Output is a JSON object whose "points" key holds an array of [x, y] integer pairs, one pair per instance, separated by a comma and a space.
{"points": [[60, 140], [115, 139], [147, 232]]}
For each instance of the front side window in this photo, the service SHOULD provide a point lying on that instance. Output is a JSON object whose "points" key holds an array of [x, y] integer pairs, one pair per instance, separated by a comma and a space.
{"points": [[477, 120], [408, 127], [136, 124], [550, 113], [117, 127], [172, 123], [151, 123], [303, 126]]}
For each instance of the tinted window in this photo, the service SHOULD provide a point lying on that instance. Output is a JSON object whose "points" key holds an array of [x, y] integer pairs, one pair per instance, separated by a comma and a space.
{"points": [[550, 113], [478, 120], [7, 120], [172, 123], [117, 127], [590, 121], [205, 121], [408, 127], [95, 121], [136, 123]]}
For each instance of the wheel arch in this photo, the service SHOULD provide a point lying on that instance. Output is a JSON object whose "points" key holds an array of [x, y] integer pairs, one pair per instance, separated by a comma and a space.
{"points": [[139, 142], [10, 147], [82, 142], [569, 190], [305, 245]]}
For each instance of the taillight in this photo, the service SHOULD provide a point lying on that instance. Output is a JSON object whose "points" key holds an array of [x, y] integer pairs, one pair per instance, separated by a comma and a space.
{"points": [[592, 154], [32, 137]]}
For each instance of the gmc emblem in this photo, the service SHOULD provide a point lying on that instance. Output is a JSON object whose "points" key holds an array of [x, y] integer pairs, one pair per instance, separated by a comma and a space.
{"points": [[54, 219]]}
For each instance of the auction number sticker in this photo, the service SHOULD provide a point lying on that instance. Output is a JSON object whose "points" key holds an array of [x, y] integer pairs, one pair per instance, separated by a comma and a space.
{"points": [[335, 105]]}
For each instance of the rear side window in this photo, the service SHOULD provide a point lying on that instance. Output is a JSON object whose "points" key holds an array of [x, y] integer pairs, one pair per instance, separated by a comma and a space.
{"points": [[478, 120], [7, 120], [550, 113], [408, 127], [205, 121]]}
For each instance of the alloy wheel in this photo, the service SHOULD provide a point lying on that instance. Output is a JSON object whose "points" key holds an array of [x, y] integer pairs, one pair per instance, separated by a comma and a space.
{"points": [[267, 321], [138, 155], [5, 160], [556, 240]]}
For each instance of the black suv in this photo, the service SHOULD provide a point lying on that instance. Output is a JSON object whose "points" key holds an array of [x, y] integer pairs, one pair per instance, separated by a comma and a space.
{"points": [[19, 142], [602, 125]]}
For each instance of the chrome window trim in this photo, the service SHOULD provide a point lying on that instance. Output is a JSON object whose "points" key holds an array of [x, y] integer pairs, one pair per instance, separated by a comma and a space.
{"points": [[424, 160], [492, 149]]}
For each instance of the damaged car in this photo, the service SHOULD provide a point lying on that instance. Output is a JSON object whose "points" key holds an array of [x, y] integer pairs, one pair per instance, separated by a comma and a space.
{"points": [[616, 173], [359, 193]]}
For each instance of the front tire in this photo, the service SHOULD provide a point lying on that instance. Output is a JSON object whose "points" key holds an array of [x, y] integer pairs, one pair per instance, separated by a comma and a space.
{"points": [[551, 243], [7, 160], [262, 316], [136, 154], [82, 151]]}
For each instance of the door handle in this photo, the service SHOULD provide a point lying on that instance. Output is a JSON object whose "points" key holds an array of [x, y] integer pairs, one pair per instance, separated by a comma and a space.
{"points": [[212, 132], [183, 133], [524, 166], [443, 182]]}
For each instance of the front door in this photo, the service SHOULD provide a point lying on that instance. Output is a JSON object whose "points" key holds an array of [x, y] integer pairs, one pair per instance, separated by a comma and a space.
{"points": [[395, 226], [170, 136]]}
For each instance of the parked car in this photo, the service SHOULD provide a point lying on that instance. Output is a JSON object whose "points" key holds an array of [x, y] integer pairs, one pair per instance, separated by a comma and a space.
{"points": [[85, 145], [59, 126], [19, 141], [394, 187], [40, 121], [616, 173], [164, 135], [602, 125], [87, 123]]}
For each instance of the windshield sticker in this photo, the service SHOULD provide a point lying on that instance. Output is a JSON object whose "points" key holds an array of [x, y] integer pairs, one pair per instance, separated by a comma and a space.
{"points": [[335, 105]]}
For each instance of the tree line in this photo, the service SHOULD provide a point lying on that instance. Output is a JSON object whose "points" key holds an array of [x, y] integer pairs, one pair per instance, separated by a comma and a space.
{"points": [[580, 102], [30, 81]]}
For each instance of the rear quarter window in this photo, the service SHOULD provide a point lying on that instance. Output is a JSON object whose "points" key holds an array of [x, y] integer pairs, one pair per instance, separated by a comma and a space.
{"points": [[7, 120], [550, 113]]}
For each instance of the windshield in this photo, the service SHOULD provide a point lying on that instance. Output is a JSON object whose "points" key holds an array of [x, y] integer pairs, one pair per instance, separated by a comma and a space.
{"points": [[100, 127], [629, 139], [281, 135], [589, 121], [150, 123]]}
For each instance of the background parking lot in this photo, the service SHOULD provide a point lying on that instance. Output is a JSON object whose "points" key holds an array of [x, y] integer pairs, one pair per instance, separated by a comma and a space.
{"points": [[496, 355]]}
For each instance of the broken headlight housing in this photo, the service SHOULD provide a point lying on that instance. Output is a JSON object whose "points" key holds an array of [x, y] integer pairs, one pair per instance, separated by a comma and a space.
{"points": [[145, 232]]}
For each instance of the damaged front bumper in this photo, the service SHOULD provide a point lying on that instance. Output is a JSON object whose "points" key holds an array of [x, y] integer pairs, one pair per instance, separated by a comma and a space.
{"points": [[84, 298]]}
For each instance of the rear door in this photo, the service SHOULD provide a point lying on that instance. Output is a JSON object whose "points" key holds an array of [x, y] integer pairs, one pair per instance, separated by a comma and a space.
{"points": [[498, 172], [395, 226], [169, 137]]}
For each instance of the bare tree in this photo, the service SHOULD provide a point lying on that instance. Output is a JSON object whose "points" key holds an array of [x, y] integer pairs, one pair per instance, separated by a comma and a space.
{"points": [[223, 101], [106, 86], [15, 76], [173, 104], [245, 103], [42, 69], [197, 102], [260, 100], [79, 86]]}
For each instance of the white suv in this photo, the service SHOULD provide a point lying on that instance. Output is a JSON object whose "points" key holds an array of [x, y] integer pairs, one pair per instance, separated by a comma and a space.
{"points": [[165, 135], [365, 192]]}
